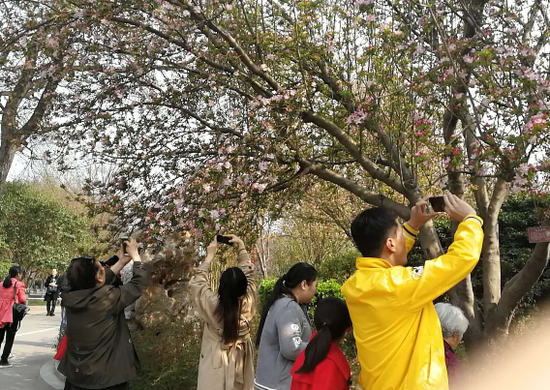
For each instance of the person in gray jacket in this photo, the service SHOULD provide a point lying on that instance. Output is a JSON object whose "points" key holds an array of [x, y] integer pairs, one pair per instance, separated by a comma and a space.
{"points": [[285, 328]]}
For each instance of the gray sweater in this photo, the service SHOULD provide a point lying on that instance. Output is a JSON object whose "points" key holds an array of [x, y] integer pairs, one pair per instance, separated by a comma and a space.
{"points": [[285, 334]]}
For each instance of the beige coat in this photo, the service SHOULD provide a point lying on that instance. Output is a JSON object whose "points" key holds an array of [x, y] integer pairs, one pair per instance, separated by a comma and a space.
{"points": [[224, 367]]}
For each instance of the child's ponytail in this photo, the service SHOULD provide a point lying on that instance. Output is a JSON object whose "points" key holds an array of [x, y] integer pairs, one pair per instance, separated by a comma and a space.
{"points": [[332, 320], [317, 350]]}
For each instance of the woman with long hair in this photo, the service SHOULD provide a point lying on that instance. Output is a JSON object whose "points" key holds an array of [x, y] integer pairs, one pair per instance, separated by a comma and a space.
{"points": [[227, 350], [285, 328], [12, 291], [323, 366]]}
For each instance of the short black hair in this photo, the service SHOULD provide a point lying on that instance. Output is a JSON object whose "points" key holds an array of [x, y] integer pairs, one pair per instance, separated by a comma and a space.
{"points": [[81, 274], [371, 228]]}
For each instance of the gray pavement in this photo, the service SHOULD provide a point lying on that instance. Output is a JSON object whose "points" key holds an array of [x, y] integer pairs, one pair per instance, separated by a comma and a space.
{"points": [[33, 354]]}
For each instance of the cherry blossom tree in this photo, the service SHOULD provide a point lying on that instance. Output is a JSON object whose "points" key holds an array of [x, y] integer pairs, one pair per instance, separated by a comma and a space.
{"points": [[216, 110]]}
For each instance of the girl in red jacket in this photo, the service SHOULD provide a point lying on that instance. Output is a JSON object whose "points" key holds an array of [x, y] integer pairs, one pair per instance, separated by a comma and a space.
{"points": [[323, 366]]}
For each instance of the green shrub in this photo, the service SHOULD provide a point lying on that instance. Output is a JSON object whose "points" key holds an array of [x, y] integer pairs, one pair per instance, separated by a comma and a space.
{"points": [[339, 267], [326, 288], [169, 356]]}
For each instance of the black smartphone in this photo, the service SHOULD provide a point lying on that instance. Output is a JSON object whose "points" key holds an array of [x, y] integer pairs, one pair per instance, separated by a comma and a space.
{"points": [[224, 239], [438, 204], [123, 242]]}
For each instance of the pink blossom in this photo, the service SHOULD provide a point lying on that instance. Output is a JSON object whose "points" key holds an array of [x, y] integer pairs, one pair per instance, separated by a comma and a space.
{"points": [[370, 18], [357, 117], [468, 58], [262, 166], [259, 187]]}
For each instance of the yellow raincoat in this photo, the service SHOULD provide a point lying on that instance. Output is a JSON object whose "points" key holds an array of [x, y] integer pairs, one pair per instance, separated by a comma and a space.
{"points": [[396, 327]]}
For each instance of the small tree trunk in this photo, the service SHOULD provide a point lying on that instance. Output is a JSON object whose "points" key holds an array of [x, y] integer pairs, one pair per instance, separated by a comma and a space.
{"points": [[491, 250]]}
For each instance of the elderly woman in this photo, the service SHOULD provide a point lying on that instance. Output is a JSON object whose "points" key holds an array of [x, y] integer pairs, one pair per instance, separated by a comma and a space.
{"points": [[453, 324]]}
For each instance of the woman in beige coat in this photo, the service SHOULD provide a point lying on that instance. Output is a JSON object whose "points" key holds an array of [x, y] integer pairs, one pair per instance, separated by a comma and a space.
{"points": [[227, 351]]}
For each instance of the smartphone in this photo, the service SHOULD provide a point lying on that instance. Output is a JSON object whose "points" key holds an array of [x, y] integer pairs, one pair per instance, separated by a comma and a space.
{"points": [[123, 242], [438, 204], [224, 239]]}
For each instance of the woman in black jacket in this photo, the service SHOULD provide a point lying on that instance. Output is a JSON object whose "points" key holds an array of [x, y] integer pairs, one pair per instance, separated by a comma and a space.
{"points": [[100, 352], [52, 292]]}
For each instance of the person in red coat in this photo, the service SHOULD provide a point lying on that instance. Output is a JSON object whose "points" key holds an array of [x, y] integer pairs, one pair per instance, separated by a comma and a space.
{"points": [[322, 365]]}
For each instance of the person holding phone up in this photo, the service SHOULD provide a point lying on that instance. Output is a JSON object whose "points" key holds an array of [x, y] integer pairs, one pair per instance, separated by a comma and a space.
{"points": [[100, 352], [227, 351], [396, 327]]}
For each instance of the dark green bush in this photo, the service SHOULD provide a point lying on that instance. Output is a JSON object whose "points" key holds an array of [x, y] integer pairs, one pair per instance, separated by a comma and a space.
{"points": [[339, 267], [326, 288], [169, 356]]}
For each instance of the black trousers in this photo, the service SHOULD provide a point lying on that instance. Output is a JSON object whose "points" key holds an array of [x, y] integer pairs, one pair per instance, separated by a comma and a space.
{"points": [[9, 330], [121, 386], [50, 305]]}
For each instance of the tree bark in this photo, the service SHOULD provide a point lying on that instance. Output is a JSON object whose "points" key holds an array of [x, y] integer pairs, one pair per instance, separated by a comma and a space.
{"points": [[491, 249]]}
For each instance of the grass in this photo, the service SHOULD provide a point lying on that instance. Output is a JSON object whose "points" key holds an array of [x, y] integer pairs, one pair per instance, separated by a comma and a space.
{"points": [[169, 356], [36, 302]]}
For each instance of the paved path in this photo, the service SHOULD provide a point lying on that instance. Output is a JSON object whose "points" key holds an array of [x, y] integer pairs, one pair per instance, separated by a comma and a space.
{"points": [[33, 353]]}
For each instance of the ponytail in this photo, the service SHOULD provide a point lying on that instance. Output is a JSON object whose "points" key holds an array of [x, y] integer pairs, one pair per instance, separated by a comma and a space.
{"points": [[332, 319], [233, 285], [317, 350], [13, 272], [284, 285]]}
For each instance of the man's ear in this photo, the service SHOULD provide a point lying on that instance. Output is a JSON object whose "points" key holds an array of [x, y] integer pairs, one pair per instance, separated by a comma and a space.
{"points": [[391, 244]]}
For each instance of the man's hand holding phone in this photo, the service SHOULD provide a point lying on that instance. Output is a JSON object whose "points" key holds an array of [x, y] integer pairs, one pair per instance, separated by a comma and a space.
{"points": [[457, 208], [420, 214]]}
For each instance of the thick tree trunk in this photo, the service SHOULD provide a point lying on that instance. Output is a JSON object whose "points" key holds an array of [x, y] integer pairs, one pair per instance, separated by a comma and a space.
{"points": [[7, 154]]}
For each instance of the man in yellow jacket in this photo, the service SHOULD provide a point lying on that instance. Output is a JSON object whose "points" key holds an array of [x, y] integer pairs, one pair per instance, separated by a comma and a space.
{"points": [[396, 328]]}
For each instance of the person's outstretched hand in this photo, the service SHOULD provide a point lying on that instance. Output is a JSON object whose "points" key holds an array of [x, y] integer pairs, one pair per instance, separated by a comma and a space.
{"points": [[420, 214], [131, 252], [236, 240], [212, 248], [457, 208]]}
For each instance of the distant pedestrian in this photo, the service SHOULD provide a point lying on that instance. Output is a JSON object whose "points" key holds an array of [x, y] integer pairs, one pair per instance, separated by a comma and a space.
{"points": [[12, 291], [453, 325], [52, 292]]}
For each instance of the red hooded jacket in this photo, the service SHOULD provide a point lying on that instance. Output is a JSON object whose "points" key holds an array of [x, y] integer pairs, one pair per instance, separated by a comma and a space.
{"points": [[333, 373]]}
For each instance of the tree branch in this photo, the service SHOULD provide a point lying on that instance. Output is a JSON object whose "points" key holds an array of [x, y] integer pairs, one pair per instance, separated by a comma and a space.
{"points": [[373, 169], [374, 199]]}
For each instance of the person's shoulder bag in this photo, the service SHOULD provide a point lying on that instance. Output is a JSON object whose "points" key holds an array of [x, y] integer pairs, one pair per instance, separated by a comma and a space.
{"points": [[19, 309], [51, 289]]}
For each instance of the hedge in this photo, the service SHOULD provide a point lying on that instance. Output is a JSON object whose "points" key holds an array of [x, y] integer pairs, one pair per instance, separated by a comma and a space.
{"points": [[326, 288]]}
